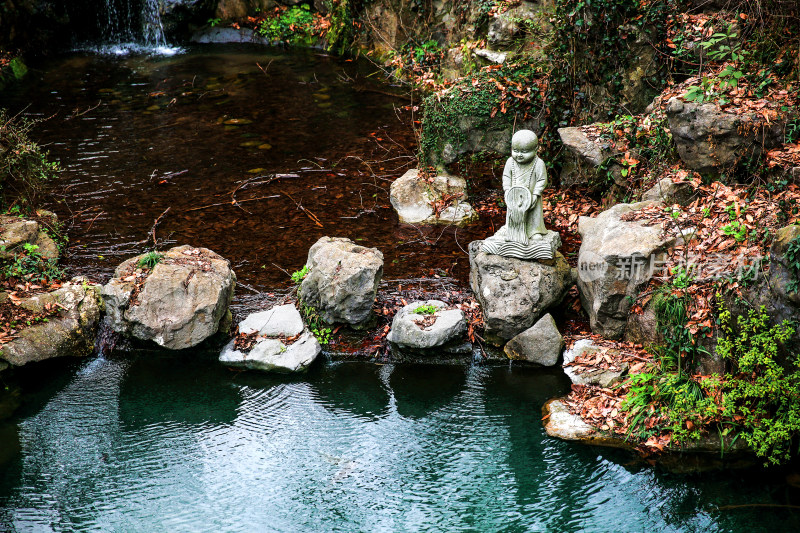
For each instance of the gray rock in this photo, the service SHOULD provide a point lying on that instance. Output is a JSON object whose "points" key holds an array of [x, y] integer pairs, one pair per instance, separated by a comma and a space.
{"points": [[70, 334], [514, 293], [342, 280], [505, 28], [272, 355], [597, 376], [223, 35], [413, 198], [562, 424], [670, 193], [615, 262], [279, 320], [450, 325], [583, 158], [181, 303], [540, 344], [15, 232], [711, 140], [498, 58]]}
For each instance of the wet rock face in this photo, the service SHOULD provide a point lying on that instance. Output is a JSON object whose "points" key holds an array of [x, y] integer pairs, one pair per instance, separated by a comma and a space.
{"points": [[541, 344], [711, 140], [615, 262], [273, 351], [414, 197], [342, 280], [178, 304], [514, 293], [70, 334]]}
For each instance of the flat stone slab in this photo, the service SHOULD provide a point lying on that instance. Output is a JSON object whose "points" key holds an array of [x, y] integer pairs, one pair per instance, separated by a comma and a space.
{"points": [[603, 378], [272, 355], [409, 329], [279, 320]]}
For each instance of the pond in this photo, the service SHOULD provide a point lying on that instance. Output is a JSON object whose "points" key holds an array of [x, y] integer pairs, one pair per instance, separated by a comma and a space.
{"points": [[246, 146], [176, 443], [256, 152]]}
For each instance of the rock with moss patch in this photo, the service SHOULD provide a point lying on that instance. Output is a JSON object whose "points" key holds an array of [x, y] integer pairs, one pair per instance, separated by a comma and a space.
{"points": [[281, 343], [342, 280], [514, 293], [177, 304], [71, 333], [414, 198], [540, 344]]}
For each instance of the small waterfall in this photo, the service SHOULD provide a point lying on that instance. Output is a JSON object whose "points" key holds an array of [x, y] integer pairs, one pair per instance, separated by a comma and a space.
{"points": [[152, 28], [132, 26]]}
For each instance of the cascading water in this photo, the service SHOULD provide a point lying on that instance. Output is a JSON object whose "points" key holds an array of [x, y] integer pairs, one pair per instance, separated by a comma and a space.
{"points": [[132, 26]]}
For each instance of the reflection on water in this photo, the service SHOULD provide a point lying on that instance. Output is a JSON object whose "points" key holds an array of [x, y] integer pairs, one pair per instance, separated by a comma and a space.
{"points": [[173, 443]]}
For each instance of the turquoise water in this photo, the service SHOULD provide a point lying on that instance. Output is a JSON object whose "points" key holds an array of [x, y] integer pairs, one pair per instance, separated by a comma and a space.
{"points": [[176, 443]]}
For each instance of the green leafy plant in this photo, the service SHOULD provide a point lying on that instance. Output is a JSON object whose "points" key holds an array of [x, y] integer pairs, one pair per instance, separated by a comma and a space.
{"points": [[793, 262], [300, 275], [30, 265], [214, 22], [294, 25], [427, 309], [23, 164], [150, 260], [318, 328], [736, 229], [763, 396]]}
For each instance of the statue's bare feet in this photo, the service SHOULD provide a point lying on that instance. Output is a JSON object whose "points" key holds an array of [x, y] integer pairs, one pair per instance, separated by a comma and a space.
{"points": [[537, 236]]}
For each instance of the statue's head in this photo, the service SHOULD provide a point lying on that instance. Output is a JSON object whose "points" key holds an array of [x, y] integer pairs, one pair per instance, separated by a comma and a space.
{"points": [[523, 146]]}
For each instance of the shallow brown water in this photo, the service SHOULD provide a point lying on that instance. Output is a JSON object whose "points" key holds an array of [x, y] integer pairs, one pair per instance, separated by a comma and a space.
{"points": [[139, 135]]}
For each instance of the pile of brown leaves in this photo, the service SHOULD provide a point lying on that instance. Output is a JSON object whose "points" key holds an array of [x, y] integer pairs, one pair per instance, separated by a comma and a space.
{"points": [[787, 156]]}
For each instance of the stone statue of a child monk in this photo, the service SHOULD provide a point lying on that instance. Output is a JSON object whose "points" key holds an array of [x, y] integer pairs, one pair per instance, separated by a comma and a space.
{"points": [[524, 178]]}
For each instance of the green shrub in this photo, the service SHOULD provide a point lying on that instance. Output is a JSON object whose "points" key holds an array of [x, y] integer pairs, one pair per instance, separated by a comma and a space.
{"points": [[293, 26], [30, 265], [763, 397], [24, 168]]}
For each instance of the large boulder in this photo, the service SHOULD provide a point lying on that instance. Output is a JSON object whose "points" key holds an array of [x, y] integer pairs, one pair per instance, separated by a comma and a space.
{"points": [[514, 293], [540, 344], [438, 200], [69, 334], [275, 340], [342, 280], [179, 303], [415, 331], [616, 260], [711, 140]]}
